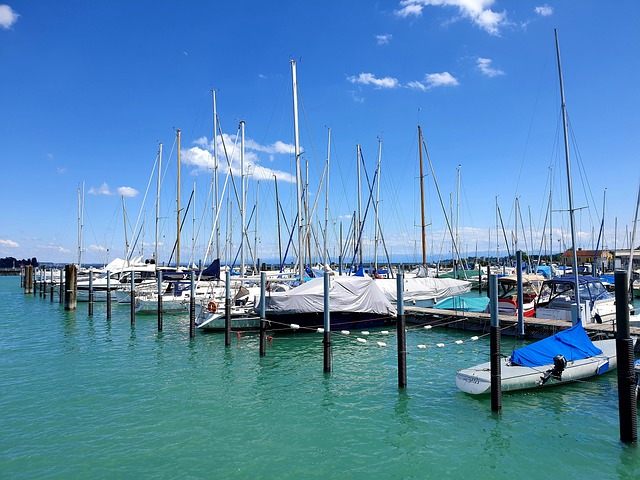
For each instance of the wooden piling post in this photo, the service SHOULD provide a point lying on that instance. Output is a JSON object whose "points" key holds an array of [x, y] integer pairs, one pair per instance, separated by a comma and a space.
{"points": [[41, 283], [52, 285], [227, 309], [624, 351], [479, 277], [159, 300], [28, 280], [133, 297], [91, 292], [496, 374], [327, 324], [108, 295], [400, 329], [263, 314], [520, 299], [71, 287], [192, 307]]}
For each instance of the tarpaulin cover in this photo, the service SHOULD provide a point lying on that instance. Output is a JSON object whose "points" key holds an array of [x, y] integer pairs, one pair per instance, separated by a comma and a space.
{"points": [[346, 294], [573, 344]]}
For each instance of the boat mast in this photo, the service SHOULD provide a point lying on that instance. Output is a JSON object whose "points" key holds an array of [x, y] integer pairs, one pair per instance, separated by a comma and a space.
{"points": [[178, 206], [376, 227], [569, 185], [296, 136], [275, 179], [216, 204], [359, 219], [242, 199], [80, 222], [422, 225], [326, 199], [158, 199]]}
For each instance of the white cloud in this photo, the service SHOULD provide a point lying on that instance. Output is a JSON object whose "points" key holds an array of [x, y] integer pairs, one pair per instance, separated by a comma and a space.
{"points": [[370, 79], [201, 157], [97, 248], [484, 65], [127, 192], [104, 190], [477, 11], [433, 80], [5, 242], [384, 39], [101, 190], [544, 10], [7, 17]]}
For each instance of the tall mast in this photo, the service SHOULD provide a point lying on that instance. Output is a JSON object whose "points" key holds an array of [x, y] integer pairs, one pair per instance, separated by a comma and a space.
{"points": [[275, 179], [422, 225], [375, 239], [178, 206], [158, 200], [242, 199], [216, 204], [359, 218], [80, 222], [569, 185], [294, 81], [326, 198]]}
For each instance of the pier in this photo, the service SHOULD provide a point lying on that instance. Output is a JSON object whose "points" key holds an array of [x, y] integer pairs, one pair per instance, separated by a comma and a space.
{"points": [[534, 327]]}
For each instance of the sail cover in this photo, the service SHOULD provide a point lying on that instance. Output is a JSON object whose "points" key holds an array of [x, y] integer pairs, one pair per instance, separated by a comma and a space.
{"points": [[346, 294], [573, 344]]}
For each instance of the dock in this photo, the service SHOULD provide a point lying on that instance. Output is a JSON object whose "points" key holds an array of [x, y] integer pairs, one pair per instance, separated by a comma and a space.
{"points": [[477, 321]]}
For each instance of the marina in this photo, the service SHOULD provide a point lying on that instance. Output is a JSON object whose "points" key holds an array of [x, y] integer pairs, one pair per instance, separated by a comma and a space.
{"points": [[87, 396]]}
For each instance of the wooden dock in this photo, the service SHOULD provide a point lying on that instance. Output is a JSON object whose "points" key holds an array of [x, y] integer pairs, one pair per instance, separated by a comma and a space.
{"points": [[534, 327]]}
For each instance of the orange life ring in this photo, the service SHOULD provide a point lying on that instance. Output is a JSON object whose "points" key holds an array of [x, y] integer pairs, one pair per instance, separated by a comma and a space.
{"points": [[212, 307]]}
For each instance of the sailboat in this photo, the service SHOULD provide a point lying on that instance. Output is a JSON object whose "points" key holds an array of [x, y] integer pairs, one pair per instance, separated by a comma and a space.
{"points": [[568, 355]]}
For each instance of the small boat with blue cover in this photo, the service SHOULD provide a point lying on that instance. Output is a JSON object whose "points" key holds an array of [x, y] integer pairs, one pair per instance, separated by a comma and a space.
{"points": [[565, 357]]}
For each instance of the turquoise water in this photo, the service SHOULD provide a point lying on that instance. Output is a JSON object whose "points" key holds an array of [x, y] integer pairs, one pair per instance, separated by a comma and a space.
{"points": [[84, 397]]}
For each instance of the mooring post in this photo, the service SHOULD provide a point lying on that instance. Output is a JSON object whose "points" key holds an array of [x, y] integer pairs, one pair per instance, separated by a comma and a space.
{"points": [[40, 281], [62, 286], [28, 281], [108, 295], [159, 300], [327, 323], [520, 299], [52, 285], [496, 380], [91, 292], [71, 276], [263, 314], [400, 329], [627, 402], [479, 277], [227, 309], [132, 295], [192, 306]]}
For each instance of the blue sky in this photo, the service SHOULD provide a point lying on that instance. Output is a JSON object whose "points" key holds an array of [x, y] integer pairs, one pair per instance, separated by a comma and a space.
{"points": [[89, 89]]}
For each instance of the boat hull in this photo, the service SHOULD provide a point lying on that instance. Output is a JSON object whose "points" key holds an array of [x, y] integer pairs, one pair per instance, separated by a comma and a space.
{"points": [[477, 380]]}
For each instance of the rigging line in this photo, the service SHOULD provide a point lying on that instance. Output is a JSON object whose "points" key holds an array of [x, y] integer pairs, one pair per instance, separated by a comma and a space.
{"points": [[433, 174], [583, 174], [146, 192]]}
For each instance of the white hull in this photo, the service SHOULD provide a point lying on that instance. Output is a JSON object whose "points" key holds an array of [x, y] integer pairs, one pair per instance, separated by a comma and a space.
{"points": [[477, 380]]}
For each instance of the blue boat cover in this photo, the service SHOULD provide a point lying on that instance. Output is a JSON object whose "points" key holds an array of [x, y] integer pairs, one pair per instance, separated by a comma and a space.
{"points": [[573, 344]]}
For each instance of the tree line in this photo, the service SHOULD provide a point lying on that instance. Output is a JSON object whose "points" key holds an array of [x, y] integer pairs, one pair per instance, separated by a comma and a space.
{"points": [[10, 262]]}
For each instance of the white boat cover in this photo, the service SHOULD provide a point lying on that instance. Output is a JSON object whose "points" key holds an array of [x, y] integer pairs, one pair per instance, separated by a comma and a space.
{"points": [[423, 288], [346, 294]]}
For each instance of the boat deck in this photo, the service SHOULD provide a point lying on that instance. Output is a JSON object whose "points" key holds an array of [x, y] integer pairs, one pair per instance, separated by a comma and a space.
{"points": [[534, 327]]}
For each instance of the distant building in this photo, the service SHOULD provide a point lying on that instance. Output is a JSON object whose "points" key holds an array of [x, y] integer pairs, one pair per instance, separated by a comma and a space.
{"points": [[622, 258], [588, 257]]}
